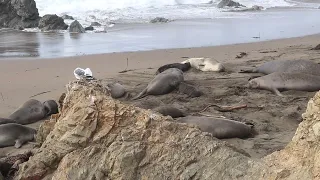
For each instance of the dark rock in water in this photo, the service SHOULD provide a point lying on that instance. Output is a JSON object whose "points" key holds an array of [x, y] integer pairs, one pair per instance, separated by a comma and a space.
{"points": [[52, 22], [159, 20], [95, 24], [18, 13], [253, 8], [76, 27], [67, 17], [90, 28], [229, 3]]}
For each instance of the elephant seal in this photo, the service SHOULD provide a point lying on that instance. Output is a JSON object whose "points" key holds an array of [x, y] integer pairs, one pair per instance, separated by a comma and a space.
{"points": [[189, 89], [280, 81], [169, 111], [15, 134], [205, 64], [218, 127], [163, 83], [5, 121], [182, 66], [33, 111], [290, 66], [116, 90]]}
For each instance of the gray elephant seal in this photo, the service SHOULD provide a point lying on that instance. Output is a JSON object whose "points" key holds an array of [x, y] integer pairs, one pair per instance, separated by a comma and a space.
{"points": [[220, 128], [169, 111], [33, 111], [299, 66], [5, 121], [279, 81], [163, 83], [15, 134], [189, 89], [182, 66], [116, 90]]}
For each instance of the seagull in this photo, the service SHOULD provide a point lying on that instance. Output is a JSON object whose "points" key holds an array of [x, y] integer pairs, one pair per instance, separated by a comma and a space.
{"points": [[80, 73]]}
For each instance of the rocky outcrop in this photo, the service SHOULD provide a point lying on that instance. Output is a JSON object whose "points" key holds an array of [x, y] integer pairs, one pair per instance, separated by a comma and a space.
{"points": [[90, 28], [159, 20], [51, 22], [76, 27], [245, 9], [67, 17], [18, 14], [95, 24], [229, 3], [97, 137]]}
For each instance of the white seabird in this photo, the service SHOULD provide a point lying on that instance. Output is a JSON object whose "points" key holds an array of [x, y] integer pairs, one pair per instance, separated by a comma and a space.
{"points": [[80, 73]]}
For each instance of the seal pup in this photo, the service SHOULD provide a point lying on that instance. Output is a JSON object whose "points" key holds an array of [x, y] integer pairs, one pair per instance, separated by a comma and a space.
{"points": [[182, 66], [205, 64], [33, 111], [169, 111], [189, 89], [280, 81], [299, 66], [219, 127], [116, 90], [163, 83], [15, 134]]}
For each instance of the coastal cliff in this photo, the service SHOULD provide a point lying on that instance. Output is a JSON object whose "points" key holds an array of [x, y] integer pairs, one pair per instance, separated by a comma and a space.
{"points": [[97, 137]]}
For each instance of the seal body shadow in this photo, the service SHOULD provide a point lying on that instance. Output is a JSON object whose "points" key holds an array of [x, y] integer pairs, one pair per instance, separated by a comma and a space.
{"points": [[163, 83], [220, 128], [279, 81], [13, 134]]}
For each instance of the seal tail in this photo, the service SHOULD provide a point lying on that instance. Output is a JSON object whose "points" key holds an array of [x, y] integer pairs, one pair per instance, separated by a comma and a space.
{"points": [[141, 95]]}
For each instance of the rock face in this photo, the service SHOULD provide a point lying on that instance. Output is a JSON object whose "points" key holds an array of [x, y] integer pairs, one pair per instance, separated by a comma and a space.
{"points": [[52, 22], [229, 3], [76, 27], [97, 137], [18, 14], [90, 28], [159, 20], [67, 17]]}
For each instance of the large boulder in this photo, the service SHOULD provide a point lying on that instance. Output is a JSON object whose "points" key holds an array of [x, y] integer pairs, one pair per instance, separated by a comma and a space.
{"points": [[18, 14], [159, 20], [51, 22], [76, 27], [229, 3]]}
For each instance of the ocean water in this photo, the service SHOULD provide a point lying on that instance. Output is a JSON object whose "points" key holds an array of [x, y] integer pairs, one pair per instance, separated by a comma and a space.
{"points": [[141, 11]]}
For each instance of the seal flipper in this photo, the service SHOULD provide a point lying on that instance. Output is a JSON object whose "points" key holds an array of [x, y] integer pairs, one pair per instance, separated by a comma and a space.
{"points": [[277, 92], [141, 95]]}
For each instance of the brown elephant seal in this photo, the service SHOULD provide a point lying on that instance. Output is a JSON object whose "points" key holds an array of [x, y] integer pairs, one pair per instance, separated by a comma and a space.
{"points": [[189, 89], [299, 66], [220, 128], [116, 90], [163, 83], [33, 111], [16, 135], [182, 66], [279, 81], [169, 111]]}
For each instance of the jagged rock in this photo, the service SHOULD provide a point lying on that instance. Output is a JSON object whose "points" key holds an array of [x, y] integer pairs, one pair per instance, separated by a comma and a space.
{"points": [[97, 137], [253, 8], [52, 22], [317, 47], [18, 14], [159, 20], [95, 24], [67, 17], [90, 28], [229, 3], [76, 27]]}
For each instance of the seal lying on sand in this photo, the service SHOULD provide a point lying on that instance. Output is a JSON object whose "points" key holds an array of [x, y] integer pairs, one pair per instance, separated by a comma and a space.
{"points": [[182, 66], [33, 111], [205, 64], [218, 127], [15, 134], [290, 66], [116, 90], [169, 111], [163, 83], [279, 81]]}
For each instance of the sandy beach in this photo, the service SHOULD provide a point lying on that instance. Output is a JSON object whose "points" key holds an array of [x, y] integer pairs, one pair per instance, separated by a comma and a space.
{"points": [[274, 118]]}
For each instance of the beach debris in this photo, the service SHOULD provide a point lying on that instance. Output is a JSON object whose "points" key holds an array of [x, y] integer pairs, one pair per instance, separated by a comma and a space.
{"points": [[316, 48], [267, 51], [241, 55], [39, 94], [224, 108], [76, 27], [80, 73], [159, 20]]}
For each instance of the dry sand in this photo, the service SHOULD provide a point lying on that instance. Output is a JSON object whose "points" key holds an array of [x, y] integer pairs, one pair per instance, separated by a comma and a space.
{"points": [[275, 118]]}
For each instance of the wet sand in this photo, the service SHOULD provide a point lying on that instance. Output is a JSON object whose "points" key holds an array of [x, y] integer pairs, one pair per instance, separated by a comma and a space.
{"points": [[275, 118]]}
